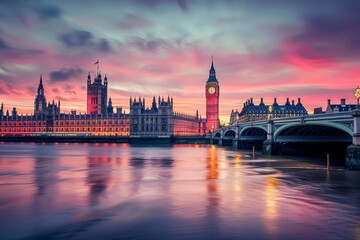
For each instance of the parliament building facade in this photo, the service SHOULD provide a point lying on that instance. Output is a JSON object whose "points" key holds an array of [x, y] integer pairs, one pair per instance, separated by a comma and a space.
{"points": [[157, 120]]}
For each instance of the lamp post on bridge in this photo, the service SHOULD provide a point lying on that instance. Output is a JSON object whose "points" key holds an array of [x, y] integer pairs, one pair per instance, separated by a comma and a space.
{"points": [[353, 151], [268, 145], [357, 96]]}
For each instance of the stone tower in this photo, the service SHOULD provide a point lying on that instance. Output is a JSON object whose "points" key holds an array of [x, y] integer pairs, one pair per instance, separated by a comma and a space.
{"points": [[97, 95], [40, 100], [212, 93]]}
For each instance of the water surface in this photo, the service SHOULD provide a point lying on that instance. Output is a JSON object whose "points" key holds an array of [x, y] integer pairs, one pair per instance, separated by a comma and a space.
{"points": [[114, 191]]}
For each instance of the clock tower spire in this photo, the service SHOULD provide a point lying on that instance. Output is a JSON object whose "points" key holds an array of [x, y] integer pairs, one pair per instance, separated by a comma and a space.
{"points": [[212, 93]]}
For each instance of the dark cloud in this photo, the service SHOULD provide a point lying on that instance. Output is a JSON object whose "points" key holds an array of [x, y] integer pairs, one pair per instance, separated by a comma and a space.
{"points": [[103, 45], [65, 74], [17, 53], [76, 38], [330, 35], [80, 38], [3, 44], [48, 12], [182, 4], [130, 22], [69, 89], [55, 90], [31, 90], [8, 52], [151, 44]]}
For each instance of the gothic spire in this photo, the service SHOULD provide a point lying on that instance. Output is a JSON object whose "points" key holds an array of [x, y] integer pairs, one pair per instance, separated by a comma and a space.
{"points": [[153, 106], [212, 72], [89, 78], [41, 83], [212, 64], [41, 87]]}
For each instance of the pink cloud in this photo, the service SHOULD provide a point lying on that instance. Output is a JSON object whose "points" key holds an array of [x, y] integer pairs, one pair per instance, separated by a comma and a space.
{"points": [[181, 72]]}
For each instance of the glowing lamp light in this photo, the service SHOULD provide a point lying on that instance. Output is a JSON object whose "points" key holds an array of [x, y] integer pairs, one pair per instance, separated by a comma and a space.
{"points": [[357, 95]]}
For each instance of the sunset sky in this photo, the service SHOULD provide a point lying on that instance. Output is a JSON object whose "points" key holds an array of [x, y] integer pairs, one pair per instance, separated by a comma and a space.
{"points": [[261, 48]]}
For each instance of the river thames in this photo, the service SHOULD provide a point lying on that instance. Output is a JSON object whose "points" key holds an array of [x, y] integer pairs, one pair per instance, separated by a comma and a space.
{"points": [[119, 191]]}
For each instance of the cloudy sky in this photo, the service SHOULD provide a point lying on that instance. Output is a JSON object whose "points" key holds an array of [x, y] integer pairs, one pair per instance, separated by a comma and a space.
{"points": [[261, 48]]}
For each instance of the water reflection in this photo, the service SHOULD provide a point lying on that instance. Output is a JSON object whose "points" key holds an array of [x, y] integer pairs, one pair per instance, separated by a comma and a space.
{"points": [[164, 162], [237, 176], [40, 175], [199, 192], [44, 172], [137, 162], [271, 204], [212, 163], [357, 230], [213, 195], [98, 177]]}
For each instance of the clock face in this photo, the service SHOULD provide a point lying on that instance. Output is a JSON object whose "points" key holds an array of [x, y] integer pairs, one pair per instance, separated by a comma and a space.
{"points": [[211, 90]]}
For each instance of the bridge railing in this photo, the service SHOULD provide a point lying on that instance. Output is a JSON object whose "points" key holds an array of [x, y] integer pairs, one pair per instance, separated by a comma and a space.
{"points": [[321, 116]]}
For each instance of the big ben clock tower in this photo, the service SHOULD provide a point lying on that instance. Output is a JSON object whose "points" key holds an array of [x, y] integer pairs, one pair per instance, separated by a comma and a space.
{"points": [[212, 93]]}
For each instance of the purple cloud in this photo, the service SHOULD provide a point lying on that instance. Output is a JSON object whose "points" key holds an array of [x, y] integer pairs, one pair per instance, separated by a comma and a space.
{"points": [[55, 90], [3, 44], [131, 21], [48, 12], [65, 74], [80, 38], [151, 44], [8, 52], [182, 4], [331, 36]]}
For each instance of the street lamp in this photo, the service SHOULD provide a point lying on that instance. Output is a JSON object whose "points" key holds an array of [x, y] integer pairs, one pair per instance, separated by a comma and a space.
{"points": [[357, 96], [270, 111]]}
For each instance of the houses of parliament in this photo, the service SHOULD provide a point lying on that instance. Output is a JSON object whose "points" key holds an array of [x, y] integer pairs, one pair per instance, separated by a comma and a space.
{"points": [[157, 120]]}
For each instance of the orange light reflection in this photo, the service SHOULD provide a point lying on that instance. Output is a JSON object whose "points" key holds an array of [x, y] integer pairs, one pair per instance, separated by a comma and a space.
{"points": [[271, 205]]}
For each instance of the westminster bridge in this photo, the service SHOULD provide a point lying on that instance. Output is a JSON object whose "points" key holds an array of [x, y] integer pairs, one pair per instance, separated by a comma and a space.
{"points": [[334, 133]]}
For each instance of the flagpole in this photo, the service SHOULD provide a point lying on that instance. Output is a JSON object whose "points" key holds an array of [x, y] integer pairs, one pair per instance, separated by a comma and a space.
{"points": [[97, 68]]}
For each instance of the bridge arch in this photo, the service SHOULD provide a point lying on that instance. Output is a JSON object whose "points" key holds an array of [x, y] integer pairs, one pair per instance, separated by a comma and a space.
{"points": [[253, 133], [245, 129], [217, 135], [230, 133], [319, 132]]}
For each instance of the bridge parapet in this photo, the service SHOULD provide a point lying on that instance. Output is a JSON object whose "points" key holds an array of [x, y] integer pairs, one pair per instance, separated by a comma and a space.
{"points": [[334, 116]]}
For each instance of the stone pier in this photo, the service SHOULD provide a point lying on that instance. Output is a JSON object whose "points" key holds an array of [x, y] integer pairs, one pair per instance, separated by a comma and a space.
{"points": [[353, 151], [235, 143], [269, 144]]}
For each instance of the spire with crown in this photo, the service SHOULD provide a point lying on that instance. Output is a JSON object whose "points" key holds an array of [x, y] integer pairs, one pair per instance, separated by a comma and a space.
{"points": [[110, 108], [40, 100], [40, 84], [212, 72], [40, 87]]}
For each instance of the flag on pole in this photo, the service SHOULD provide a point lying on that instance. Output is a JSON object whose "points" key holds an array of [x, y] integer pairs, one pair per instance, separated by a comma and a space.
{"points": [[97, 62]]}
